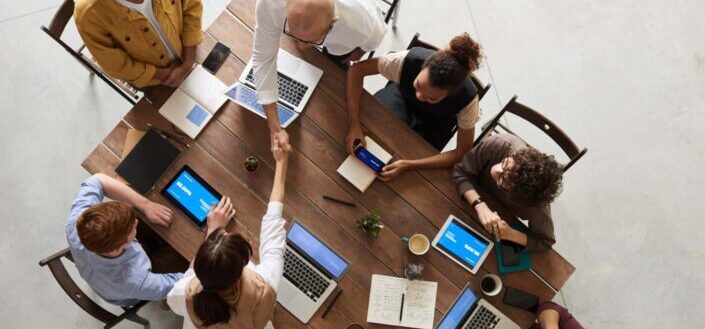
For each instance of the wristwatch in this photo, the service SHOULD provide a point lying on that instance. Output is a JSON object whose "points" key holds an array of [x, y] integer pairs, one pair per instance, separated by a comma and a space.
{"points": [[476, 202]]}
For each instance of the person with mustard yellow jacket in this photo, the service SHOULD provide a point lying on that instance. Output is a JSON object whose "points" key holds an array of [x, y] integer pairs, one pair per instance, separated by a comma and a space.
{"points": [[142, 42]]}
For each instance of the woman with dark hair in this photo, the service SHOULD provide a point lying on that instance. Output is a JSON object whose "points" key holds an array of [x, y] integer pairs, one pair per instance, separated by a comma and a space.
{"points": [[430, 91], [224, 289]]}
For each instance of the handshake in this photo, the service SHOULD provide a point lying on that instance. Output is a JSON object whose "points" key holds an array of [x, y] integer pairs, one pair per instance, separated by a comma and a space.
{"points": [[280, 145]]}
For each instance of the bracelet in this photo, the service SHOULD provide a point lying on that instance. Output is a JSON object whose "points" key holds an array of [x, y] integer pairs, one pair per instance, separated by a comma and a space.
{"points": [[476, 202]]}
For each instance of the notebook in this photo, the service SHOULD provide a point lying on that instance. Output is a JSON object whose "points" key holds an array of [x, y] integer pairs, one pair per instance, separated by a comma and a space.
{"points": [[524, 257], [414, 310], [194, 103], [147, 161], [357, 172]]}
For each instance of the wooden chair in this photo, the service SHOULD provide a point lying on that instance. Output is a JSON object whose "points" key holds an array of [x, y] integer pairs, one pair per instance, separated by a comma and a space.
{"points": [[56, 266], [391, 14], [539, 121], [56, 29]]}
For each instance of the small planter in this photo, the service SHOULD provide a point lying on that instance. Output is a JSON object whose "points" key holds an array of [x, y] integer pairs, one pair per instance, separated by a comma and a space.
{"points": [[370, 224], [251, 164]]}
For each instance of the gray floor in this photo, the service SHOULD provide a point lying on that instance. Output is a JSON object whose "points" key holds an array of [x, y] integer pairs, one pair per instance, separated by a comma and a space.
{"points": [[625, 79]]}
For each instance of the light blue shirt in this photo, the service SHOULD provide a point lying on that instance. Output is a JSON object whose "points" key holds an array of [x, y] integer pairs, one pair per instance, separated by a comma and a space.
{"points": [[123, 280]]}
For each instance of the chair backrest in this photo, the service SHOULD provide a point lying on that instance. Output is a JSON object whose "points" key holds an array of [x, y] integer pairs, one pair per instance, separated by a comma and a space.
{"points": [[56, 266], [481, 87], [392, 6], [554, 132]]}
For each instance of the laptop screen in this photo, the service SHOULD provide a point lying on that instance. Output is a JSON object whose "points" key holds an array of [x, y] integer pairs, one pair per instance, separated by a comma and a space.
{"points": [[460, 310], [317, 251]]}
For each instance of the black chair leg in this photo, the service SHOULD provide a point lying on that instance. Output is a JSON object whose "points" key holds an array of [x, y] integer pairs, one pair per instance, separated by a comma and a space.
{"points": [[138, 319]]}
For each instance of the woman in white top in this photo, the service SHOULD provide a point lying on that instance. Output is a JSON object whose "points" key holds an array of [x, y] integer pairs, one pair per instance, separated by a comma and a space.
{"points": [[224, 289]]}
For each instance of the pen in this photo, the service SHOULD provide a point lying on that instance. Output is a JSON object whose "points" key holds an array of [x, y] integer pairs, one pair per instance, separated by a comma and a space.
{"points": [[401, 311], [331, 303], [347, 203]]}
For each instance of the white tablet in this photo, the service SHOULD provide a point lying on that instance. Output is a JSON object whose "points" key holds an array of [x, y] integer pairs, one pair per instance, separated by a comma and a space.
{"points": [[462, 244]]}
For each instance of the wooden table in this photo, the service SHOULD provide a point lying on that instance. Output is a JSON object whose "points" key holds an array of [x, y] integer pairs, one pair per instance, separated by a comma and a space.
{"points": [[415, 202]]}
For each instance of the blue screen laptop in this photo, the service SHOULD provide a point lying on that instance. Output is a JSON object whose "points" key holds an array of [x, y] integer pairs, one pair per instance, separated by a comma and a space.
{"points": [[470, 312]]}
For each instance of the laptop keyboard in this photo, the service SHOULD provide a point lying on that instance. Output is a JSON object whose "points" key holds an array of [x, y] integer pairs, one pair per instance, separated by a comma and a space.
{"points": [[483, 319], [249, 97], [304, 277], [290, 90]]}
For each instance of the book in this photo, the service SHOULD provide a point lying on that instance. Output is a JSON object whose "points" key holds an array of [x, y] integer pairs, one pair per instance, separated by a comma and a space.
{"points": [[524, 256], [147, 161], [357, 172], [400, 302], [195, 102]]}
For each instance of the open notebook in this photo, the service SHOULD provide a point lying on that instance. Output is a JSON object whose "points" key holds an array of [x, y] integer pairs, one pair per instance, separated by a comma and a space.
{"points": [[195, 102], [400, 302], [357, 172]]}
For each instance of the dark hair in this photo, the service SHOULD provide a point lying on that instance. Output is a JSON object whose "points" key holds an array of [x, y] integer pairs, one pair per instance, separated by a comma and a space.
{"points": [[105, 227], [536, 178], [448, 68], [218, 265]]}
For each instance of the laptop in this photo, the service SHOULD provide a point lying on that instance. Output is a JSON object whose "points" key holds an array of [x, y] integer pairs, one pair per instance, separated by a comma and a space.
{"points": [[297, 80], [312, 270], [470, 312]]}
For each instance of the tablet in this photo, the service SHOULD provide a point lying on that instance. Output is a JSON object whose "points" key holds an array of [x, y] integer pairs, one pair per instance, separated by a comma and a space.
{"points": [[462, 244], [191, 194]]}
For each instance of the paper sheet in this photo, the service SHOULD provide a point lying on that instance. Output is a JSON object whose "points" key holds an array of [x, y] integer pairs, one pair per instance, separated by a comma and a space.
{"points": [[385, 304], [358, 173], [211, 10]]}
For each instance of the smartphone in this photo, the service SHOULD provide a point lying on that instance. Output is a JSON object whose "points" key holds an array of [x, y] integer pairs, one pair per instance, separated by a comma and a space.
{"points": [[510, 254], [367, 158], [216, 58], [520, 299]]}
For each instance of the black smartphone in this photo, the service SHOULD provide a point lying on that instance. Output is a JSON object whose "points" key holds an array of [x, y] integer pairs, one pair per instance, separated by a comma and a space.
{"points": [[510, 254], [520, 299], [216, 58]]}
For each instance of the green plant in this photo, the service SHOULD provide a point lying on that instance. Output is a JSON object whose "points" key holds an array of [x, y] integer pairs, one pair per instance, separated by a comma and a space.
{"points": [[370, 224], [251, 164]]}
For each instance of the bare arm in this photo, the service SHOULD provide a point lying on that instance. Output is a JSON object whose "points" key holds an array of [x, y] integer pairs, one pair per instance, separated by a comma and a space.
{"points": [[355, 77], [279, 185], [156, 213]]}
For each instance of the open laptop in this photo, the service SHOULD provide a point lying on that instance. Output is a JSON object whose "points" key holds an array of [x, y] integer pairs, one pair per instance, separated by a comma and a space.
{"points": [[470, 312], [297, 80], [312, 270]]}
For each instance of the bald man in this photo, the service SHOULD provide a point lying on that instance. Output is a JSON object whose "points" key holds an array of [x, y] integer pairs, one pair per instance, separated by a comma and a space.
{"points": [[345, 28]]}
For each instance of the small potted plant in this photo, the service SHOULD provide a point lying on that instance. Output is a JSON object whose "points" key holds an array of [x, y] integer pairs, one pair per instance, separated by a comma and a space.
{"points": [[370, 224], [251, 164]]}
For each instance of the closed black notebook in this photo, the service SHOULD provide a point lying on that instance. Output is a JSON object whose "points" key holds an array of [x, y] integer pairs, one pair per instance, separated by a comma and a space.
{"points": [[150, 158]]}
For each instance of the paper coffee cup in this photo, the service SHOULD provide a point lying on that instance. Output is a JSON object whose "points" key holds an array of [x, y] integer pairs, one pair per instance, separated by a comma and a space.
{"points": [[491, 285]]}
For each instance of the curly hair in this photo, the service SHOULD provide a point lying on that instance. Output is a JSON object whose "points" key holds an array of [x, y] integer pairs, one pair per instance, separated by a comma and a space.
{"points": [[536, 178], [448, 68]]}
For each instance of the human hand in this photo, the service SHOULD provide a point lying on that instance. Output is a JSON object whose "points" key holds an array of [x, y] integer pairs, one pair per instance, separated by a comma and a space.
{"points": [[503, 231], [278, 151], [490, 220], [281, 138], [156, 213], [177, 75], [394, 169], [220, 215], [354, 135]]}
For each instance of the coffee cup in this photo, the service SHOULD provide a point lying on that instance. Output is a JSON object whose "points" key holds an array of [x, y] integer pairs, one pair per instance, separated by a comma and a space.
{"points": [[418, 244], [491, 285]]}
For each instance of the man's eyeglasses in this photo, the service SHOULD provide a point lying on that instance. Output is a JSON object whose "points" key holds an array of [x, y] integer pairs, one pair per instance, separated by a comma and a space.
{"points": [[314, 43]]}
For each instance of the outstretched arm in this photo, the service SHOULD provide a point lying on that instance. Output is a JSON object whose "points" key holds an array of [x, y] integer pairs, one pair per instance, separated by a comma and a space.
{"points": [[156, 213]]}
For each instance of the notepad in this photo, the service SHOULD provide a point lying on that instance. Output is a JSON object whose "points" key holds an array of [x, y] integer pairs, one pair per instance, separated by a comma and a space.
{"points": [[385, 305], [357, 172], [194, 103]]}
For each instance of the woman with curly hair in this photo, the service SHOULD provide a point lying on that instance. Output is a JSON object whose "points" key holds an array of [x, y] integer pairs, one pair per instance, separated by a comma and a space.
{"points": [[430, 91], [523, 179]]}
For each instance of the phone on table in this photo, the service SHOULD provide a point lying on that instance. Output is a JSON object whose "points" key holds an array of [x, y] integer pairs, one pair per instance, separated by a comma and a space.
{"points": [[520, 299], [367, 158], [510, 253], [216, 58]]}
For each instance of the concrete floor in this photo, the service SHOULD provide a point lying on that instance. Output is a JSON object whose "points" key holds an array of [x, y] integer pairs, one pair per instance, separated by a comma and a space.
{"points": [[625, 79]]}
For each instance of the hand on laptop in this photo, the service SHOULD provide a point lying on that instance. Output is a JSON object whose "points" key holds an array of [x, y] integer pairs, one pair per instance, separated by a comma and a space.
{"points": [[393, 169], [354, 135], [156, 213], [220, 215]]}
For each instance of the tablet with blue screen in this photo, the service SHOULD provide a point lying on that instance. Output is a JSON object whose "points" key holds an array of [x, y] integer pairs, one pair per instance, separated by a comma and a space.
{"points": [[191, 194], [462, 244]]}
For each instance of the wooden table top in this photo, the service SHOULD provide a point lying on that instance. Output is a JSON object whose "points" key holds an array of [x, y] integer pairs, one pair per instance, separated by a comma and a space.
{"points": [[415, 202]]}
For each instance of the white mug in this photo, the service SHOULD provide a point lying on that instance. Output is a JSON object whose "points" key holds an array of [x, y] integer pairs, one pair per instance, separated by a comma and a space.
{"points": [[492, 286], [418, 244]]}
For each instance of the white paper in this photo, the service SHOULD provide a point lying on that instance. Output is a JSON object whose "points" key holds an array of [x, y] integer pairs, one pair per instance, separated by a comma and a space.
{"points": [[385, 307], [357, 172], [205, 89], [211, 10]]}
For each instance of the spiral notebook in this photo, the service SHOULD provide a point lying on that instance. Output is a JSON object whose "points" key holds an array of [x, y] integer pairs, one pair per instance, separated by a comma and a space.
{"points": [[400, 302]]}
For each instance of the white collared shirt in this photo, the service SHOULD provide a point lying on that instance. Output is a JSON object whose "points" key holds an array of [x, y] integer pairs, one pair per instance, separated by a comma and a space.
{"points": [[360, 24], [272, 243]]}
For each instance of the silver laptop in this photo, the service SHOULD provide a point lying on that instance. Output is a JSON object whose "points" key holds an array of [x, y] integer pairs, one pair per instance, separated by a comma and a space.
{"points": [[470, 312], [297, 80], [312, 270]]}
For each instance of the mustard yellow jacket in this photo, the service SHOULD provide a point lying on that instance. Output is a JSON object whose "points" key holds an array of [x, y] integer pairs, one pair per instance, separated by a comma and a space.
{"points": [[124, 42]]}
